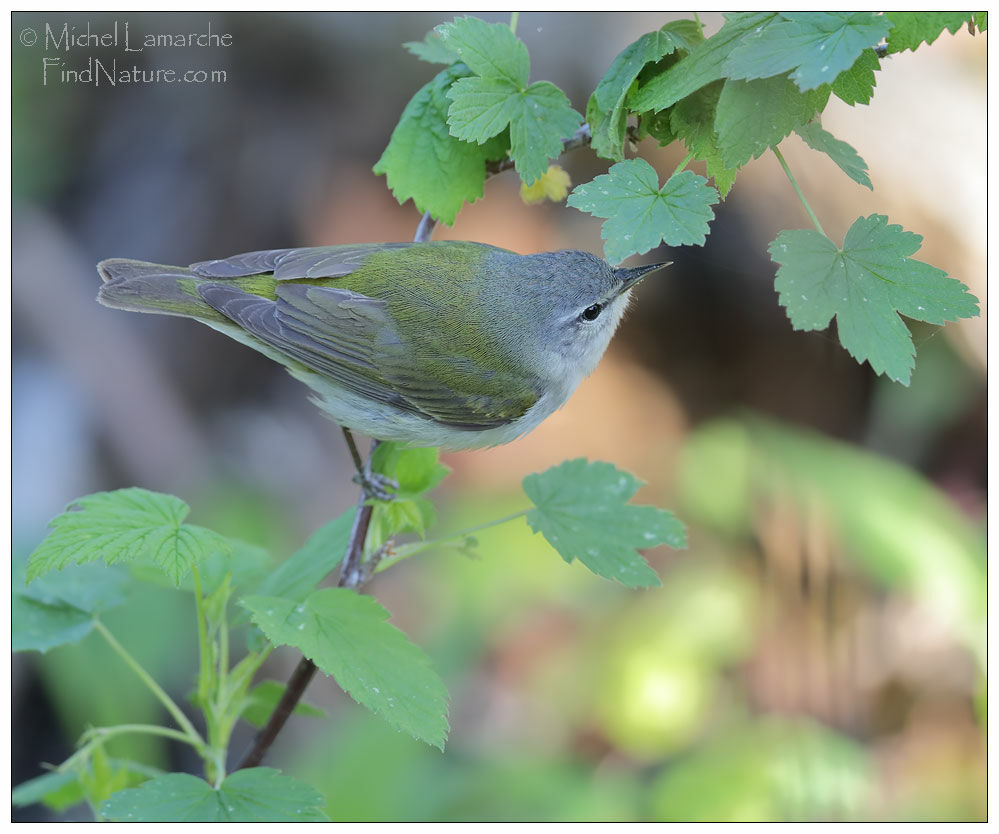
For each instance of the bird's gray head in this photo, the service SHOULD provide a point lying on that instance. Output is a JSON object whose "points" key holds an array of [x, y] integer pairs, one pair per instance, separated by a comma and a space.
{"points": [[583, 299]]}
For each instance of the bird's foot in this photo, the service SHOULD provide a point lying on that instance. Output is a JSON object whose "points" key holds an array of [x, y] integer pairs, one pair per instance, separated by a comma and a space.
{"points": [[376, 486]]}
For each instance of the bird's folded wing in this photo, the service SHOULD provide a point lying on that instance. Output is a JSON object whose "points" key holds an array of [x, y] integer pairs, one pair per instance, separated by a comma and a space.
{"points": [[350, 339]]}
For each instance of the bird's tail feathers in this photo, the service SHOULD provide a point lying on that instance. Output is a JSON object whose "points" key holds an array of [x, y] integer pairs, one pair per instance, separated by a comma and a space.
{"points": [[153, 288]]}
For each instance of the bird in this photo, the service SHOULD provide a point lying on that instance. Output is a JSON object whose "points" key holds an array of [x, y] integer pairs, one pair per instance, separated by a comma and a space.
{"points": [[453, 344]]}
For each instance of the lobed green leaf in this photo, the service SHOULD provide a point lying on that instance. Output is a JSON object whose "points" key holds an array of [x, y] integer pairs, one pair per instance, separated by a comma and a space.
{"points": [[425, 163], [128, 525], [490, 50], [432, 49], [856, 85], [543, 120], [481, 107], [539, 118], [640, 214], [818, 46], [581, 509], [866, 285], [256, 794], [910, 29]]}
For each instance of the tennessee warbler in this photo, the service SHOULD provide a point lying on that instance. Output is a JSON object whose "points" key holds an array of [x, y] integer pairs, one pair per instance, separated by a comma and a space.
{"points": [[453, 344]]}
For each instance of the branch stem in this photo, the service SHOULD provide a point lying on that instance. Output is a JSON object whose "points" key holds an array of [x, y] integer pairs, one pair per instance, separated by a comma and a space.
{"points": [[797, 188], [350, 577], [168, 702], [682, 165], [98, 735], [406, 550]]}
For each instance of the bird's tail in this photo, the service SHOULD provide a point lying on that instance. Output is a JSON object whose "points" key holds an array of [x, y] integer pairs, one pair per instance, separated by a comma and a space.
{"points": [[153, 288]]}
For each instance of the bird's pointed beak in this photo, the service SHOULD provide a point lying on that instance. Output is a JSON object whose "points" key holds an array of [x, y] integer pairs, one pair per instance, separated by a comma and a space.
{"points": [[632, 275]]}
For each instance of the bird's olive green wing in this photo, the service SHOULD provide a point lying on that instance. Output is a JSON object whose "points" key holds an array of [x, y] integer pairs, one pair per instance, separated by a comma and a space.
{"points": [[351, 339], [289, 264]]}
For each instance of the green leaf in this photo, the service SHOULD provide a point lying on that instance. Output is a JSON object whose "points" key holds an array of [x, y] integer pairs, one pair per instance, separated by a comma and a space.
{"points": [[56, 790], [346, 635], [481, 107], [581, 509], [416, 471], [640, 213], [692, 119], [262, 699], [818, 46], [981, 21], [402, 515], [657, 125], [91, 587], [425, 163], [104, 776], [432, 49], [491, 50], [256, 794], [856, 85], [702, 66], [297, 577], [40, 626], [839, 152], [866, 285], [606, 113], [910, 29], [128, 525], [755, 115], [545, 117], [539, 118]]}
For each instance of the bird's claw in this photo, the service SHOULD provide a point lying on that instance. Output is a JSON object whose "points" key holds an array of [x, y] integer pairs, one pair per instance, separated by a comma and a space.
{"points": [[376, 486]]}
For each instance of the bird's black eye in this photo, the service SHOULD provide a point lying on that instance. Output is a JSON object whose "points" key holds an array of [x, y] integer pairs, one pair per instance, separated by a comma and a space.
{"points": [[591, 312]]}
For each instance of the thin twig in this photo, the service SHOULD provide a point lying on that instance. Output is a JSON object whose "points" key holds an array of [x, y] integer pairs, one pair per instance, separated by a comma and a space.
{"points": [[351, 576], [292, 694], [579, 139], [425, 229]]}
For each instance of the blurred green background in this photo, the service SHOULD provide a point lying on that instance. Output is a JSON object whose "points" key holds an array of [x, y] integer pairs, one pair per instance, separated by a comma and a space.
{"points": [[818, 651]]}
